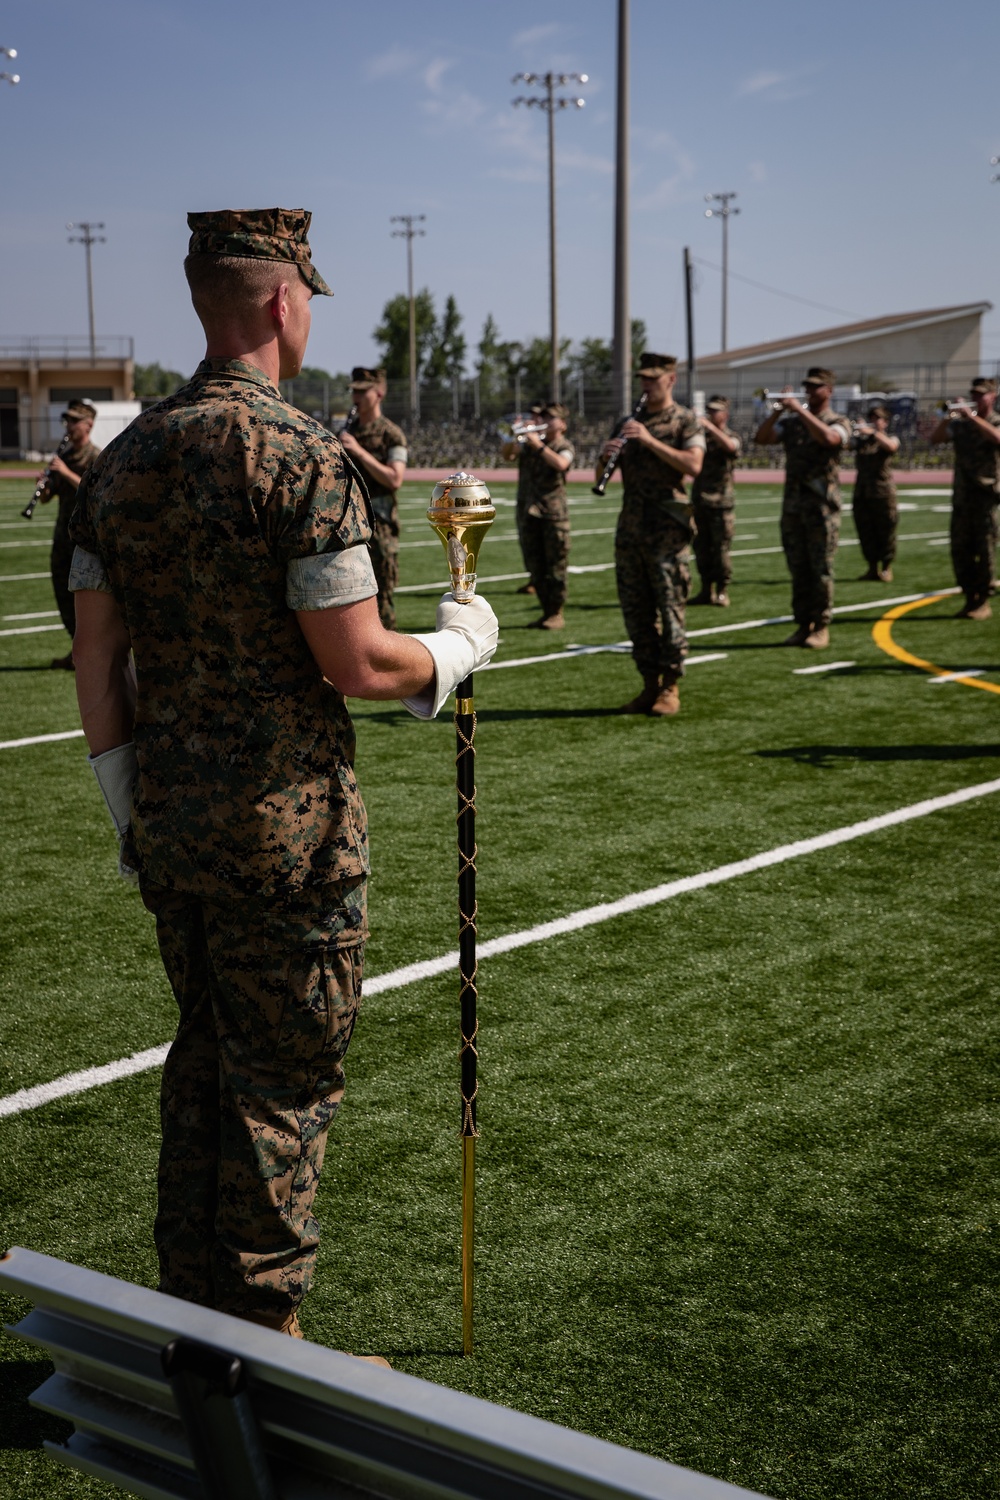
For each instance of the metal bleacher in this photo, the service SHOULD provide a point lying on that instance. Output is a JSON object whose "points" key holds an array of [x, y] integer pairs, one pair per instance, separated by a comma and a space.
{"points": [[174, 1402]]}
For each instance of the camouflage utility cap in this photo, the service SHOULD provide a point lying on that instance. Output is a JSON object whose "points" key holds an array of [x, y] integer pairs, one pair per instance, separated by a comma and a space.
{"points": [[818, 376], [555, 409], [657, 364], [80, 411], [717, 403], [982, 385], [258, 234], [364, 379]]}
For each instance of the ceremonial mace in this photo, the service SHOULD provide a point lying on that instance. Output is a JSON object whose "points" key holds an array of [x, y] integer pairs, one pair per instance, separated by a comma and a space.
{"points": [[461, 512]]}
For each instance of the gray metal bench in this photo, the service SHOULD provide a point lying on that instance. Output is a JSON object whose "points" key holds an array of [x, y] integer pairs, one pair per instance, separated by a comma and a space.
{"points": [[174, 1402]]}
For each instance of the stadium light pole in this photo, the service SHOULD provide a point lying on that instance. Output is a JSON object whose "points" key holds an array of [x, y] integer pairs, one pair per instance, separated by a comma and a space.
{"points": [[724, 213], [621, 360], [409, 234], [86, 238], [550, 103], [11, 78]]}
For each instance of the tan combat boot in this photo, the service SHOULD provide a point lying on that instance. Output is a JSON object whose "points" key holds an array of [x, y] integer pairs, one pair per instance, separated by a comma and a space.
{"points": [[797, 637], [817, 639], [885, 576], [643, 702], [721, 599], [554, 622], [979, 611], [526, 588], [668, 702]]}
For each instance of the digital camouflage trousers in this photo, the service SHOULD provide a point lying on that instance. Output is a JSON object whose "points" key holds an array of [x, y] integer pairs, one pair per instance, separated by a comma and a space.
{"points": [[653, 576], [268, 998], [545, 548], [384, 547], [876, 517], [713, 539], [974, 544], [809, 535]]}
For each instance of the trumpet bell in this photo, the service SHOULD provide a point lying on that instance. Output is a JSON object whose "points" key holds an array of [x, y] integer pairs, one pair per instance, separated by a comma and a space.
{"points": [[461, 512]]}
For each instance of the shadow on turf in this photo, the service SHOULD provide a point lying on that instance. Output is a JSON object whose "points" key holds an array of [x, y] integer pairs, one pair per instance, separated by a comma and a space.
{"points": [[42, 667], [827, 756], [21, 1426]]}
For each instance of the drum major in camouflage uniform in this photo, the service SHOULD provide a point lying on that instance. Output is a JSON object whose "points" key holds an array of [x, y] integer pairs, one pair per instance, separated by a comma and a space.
{"points": [[378, 447], [713, 501], [658, 451], [975, 433], [813, 436], [67, 468], [543, 463], [876, 514], [222, 538]]}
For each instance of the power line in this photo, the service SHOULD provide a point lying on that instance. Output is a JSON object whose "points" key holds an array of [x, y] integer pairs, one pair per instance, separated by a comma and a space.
{"points": [[777, 292]]}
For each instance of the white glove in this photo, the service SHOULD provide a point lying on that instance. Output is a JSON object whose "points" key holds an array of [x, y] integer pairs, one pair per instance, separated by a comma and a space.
{"points": [[116, 771], [465, 638]]}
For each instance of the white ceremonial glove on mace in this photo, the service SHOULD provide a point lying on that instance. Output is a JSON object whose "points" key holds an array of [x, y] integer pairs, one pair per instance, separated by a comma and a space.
{"points": [[464, 639], [116, 771]]}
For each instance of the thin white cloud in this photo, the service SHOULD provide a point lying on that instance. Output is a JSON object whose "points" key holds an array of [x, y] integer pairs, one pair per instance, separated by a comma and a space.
{"points": [[389, 64], [435, 71], [757, 172], [532, 35], [774, 87]]}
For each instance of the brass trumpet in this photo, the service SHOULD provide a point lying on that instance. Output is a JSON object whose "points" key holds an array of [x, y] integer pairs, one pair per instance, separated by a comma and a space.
{"points": [[775, 398], [514, 429]]}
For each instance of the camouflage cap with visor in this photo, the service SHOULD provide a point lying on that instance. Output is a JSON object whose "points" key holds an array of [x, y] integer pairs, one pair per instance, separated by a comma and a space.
{"points": [[982, 385], [657, 364], [717, 403], [258, 234], [365, 379], [79, 411], [555, 409], [818, 376]]}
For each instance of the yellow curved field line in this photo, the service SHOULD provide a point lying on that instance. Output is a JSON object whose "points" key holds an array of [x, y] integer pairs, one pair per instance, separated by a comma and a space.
{"points": [[882, 636]]}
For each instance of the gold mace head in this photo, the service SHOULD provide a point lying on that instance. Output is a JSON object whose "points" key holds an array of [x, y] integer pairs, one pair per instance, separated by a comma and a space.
{"points": [[461, 513]]}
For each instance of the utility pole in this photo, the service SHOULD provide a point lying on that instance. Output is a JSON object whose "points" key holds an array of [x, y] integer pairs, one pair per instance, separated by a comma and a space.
{"points": [[689, 310], [621, 363], [724, 214], [549, 102], [86, 238], [10, 78], [409, 234]]}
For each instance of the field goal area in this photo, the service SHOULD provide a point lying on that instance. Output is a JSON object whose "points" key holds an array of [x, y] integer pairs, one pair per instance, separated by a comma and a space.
{"points": [[738, 1037]]}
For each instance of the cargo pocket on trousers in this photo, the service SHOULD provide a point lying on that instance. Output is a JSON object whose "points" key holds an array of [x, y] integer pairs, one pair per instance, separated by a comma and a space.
{"points": [[321, 1005]]}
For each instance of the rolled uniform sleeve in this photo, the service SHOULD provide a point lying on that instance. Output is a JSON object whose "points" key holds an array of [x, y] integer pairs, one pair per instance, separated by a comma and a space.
{"points": [[397, 455], [88, 572], [323, 544]]}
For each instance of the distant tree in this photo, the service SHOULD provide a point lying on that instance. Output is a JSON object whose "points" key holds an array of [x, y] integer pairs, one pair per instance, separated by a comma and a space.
{"points": [[491, 366], [536, 378], [393, 334], [153, 382], [446, 361], [591, 360], [638, 340]]}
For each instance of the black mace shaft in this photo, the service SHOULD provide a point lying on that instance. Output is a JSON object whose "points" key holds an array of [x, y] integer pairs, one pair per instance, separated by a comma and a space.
{"points": [[465, 766]]}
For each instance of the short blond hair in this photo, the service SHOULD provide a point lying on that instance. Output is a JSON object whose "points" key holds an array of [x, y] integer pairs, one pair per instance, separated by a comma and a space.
{"points": [[230, 284]]}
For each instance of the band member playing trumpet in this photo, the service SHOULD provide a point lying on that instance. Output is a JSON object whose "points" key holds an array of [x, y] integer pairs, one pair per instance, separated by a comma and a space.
{"points": [[713, 498], [544, 460], [975, 431], [658, 451], [378, 447], [874, 504], [813, 436], [520, 425]]}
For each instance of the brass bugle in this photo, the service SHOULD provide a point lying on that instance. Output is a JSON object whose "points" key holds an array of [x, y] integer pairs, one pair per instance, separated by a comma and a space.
{"points": [[776, 397]]}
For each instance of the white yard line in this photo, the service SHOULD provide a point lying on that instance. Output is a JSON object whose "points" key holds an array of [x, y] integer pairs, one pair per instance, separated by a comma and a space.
{"points": [[588, 916], [36, 614], [21, 577], [618, 648], [31, 629], [41, 739], [43, 541], [957, 676], [826, 666]]}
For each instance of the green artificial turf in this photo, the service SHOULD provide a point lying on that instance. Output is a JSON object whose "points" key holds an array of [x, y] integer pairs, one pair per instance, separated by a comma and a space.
{"points": [[737, 1180]]}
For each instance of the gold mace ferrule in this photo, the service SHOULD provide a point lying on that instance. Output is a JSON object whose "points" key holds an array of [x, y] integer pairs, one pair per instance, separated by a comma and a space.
{"points": [[461, 512]]}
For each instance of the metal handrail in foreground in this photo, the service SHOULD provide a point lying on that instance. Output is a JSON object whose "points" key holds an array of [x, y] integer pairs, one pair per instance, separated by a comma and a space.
{"points": [[175, 1402]]}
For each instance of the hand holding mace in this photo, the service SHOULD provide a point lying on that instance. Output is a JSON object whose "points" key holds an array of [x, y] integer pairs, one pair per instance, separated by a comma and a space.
{"points": [[461, 512]]}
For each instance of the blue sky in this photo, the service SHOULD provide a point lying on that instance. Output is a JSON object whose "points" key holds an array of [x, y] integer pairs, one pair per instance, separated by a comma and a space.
{"points": [[858, 137]]}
